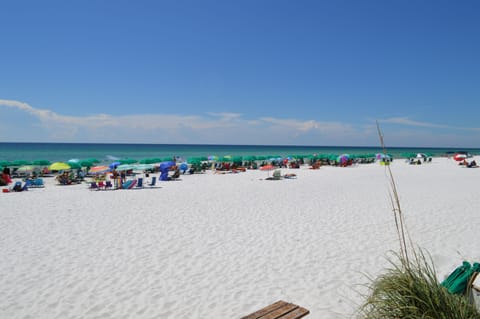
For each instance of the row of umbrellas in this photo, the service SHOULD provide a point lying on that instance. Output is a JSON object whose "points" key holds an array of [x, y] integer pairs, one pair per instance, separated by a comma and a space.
{"points": [[91, 162]]}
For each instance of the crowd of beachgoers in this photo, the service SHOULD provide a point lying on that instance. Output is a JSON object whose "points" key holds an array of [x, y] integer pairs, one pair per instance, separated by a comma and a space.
{"points": [[129, 173]]}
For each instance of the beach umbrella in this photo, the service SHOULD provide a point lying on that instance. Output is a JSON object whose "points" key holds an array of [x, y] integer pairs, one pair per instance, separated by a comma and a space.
{"points": [[86, 163], [212, 157], [41, 163], [127, 161], [459, 157], [380, 156], [25, 169], [102, 169], [75, 165], [5, 163], [267, 168], [114, 165], [59, 166], [125, 167], [343, 159], [152, 160], [21, 163], [92, 160], [142, 167]]}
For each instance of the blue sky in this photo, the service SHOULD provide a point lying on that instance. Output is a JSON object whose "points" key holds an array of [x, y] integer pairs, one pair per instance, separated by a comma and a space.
{"points": [[241, 72]]}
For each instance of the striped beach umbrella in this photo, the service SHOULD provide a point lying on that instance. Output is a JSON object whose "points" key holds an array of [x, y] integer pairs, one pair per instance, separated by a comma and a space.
{"points": [[102, 169]]}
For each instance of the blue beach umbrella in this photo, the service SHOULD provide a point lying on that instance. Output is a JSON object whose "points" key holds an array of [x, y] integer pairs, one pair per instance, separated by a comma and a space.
{"points": [[114, 165]]}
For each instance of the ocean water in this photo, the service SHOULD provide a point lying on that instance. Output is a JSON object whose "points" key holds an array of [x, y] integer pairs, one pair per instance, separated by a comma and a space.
{"points": [[107, 152]]}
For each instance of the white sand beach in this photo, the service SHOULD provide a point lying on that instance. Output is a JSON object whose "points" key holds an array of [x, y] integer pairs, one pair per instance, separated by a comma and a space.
{"points": [[225, 245]]}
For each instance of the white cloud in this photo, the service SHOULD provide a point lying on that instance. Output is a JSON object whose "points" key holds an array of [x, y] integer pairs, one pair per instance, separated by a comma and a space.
{"points": [[222, 128], [408, 122]]}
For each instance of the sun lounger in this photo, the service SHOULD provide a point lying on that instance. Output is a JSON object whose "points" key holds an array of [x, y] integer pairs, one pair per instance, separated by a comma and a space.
{"points": [[279, 310], [139, 183], [129, 184]]}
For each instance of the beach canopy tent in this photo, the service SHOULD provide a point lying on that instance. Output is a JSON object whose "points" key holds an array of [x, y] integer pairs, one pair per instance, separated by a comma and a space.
{"points": [[164, 168]]}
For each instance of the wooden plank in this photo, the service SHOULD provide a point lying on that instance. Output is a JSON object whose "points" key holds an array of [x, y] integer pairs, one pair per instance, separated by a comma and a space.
{"points": [[266, 310], [280, 312], [298, 313]]}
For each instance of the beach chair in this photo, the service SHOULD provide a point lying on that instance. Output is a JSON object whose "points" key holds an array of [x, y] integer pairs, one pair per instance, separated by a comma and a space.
{"points": [[101, 185], [277, 175], [279, 310], [139, 183], [17, 187], [38, 182], [153, 182], [129, 184], [93, 186], [108, 185]]}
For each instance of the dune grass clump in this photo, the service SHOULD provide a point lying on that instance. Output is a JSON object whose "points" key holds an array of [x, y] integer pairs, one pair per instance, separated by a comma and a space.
{"points": [[411, 290]]}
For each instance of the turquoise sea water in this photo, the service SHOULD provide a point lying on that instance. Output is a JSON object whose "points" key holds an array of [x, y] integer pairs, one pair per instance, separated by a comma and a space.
{"points": [[107, 152]]}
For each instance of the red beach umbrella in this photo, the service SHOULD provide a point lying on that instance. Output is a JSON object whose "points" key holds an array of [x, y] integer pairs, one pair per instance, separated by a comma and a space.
{"points": [[459, 157]]}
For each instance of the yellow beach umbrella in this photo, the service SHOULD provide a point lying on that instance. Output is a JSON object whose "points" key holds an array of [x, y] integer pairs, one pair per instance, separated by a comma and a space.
{"points": [[59, 166]]}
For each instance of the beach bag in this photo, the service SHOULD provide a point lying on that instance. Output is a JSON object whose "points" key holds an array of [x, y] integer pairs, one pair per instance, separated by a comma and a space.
{"points": [[457, 281]]}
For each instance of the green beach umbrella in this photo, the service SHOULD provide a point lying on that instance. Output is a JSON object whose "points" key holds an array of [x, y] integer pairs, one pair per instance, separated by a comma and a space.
{"points": [[5, 163], [41, 163], [21, 163], [75, 165], [92, 160], [127, 161], [86, 163]]}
